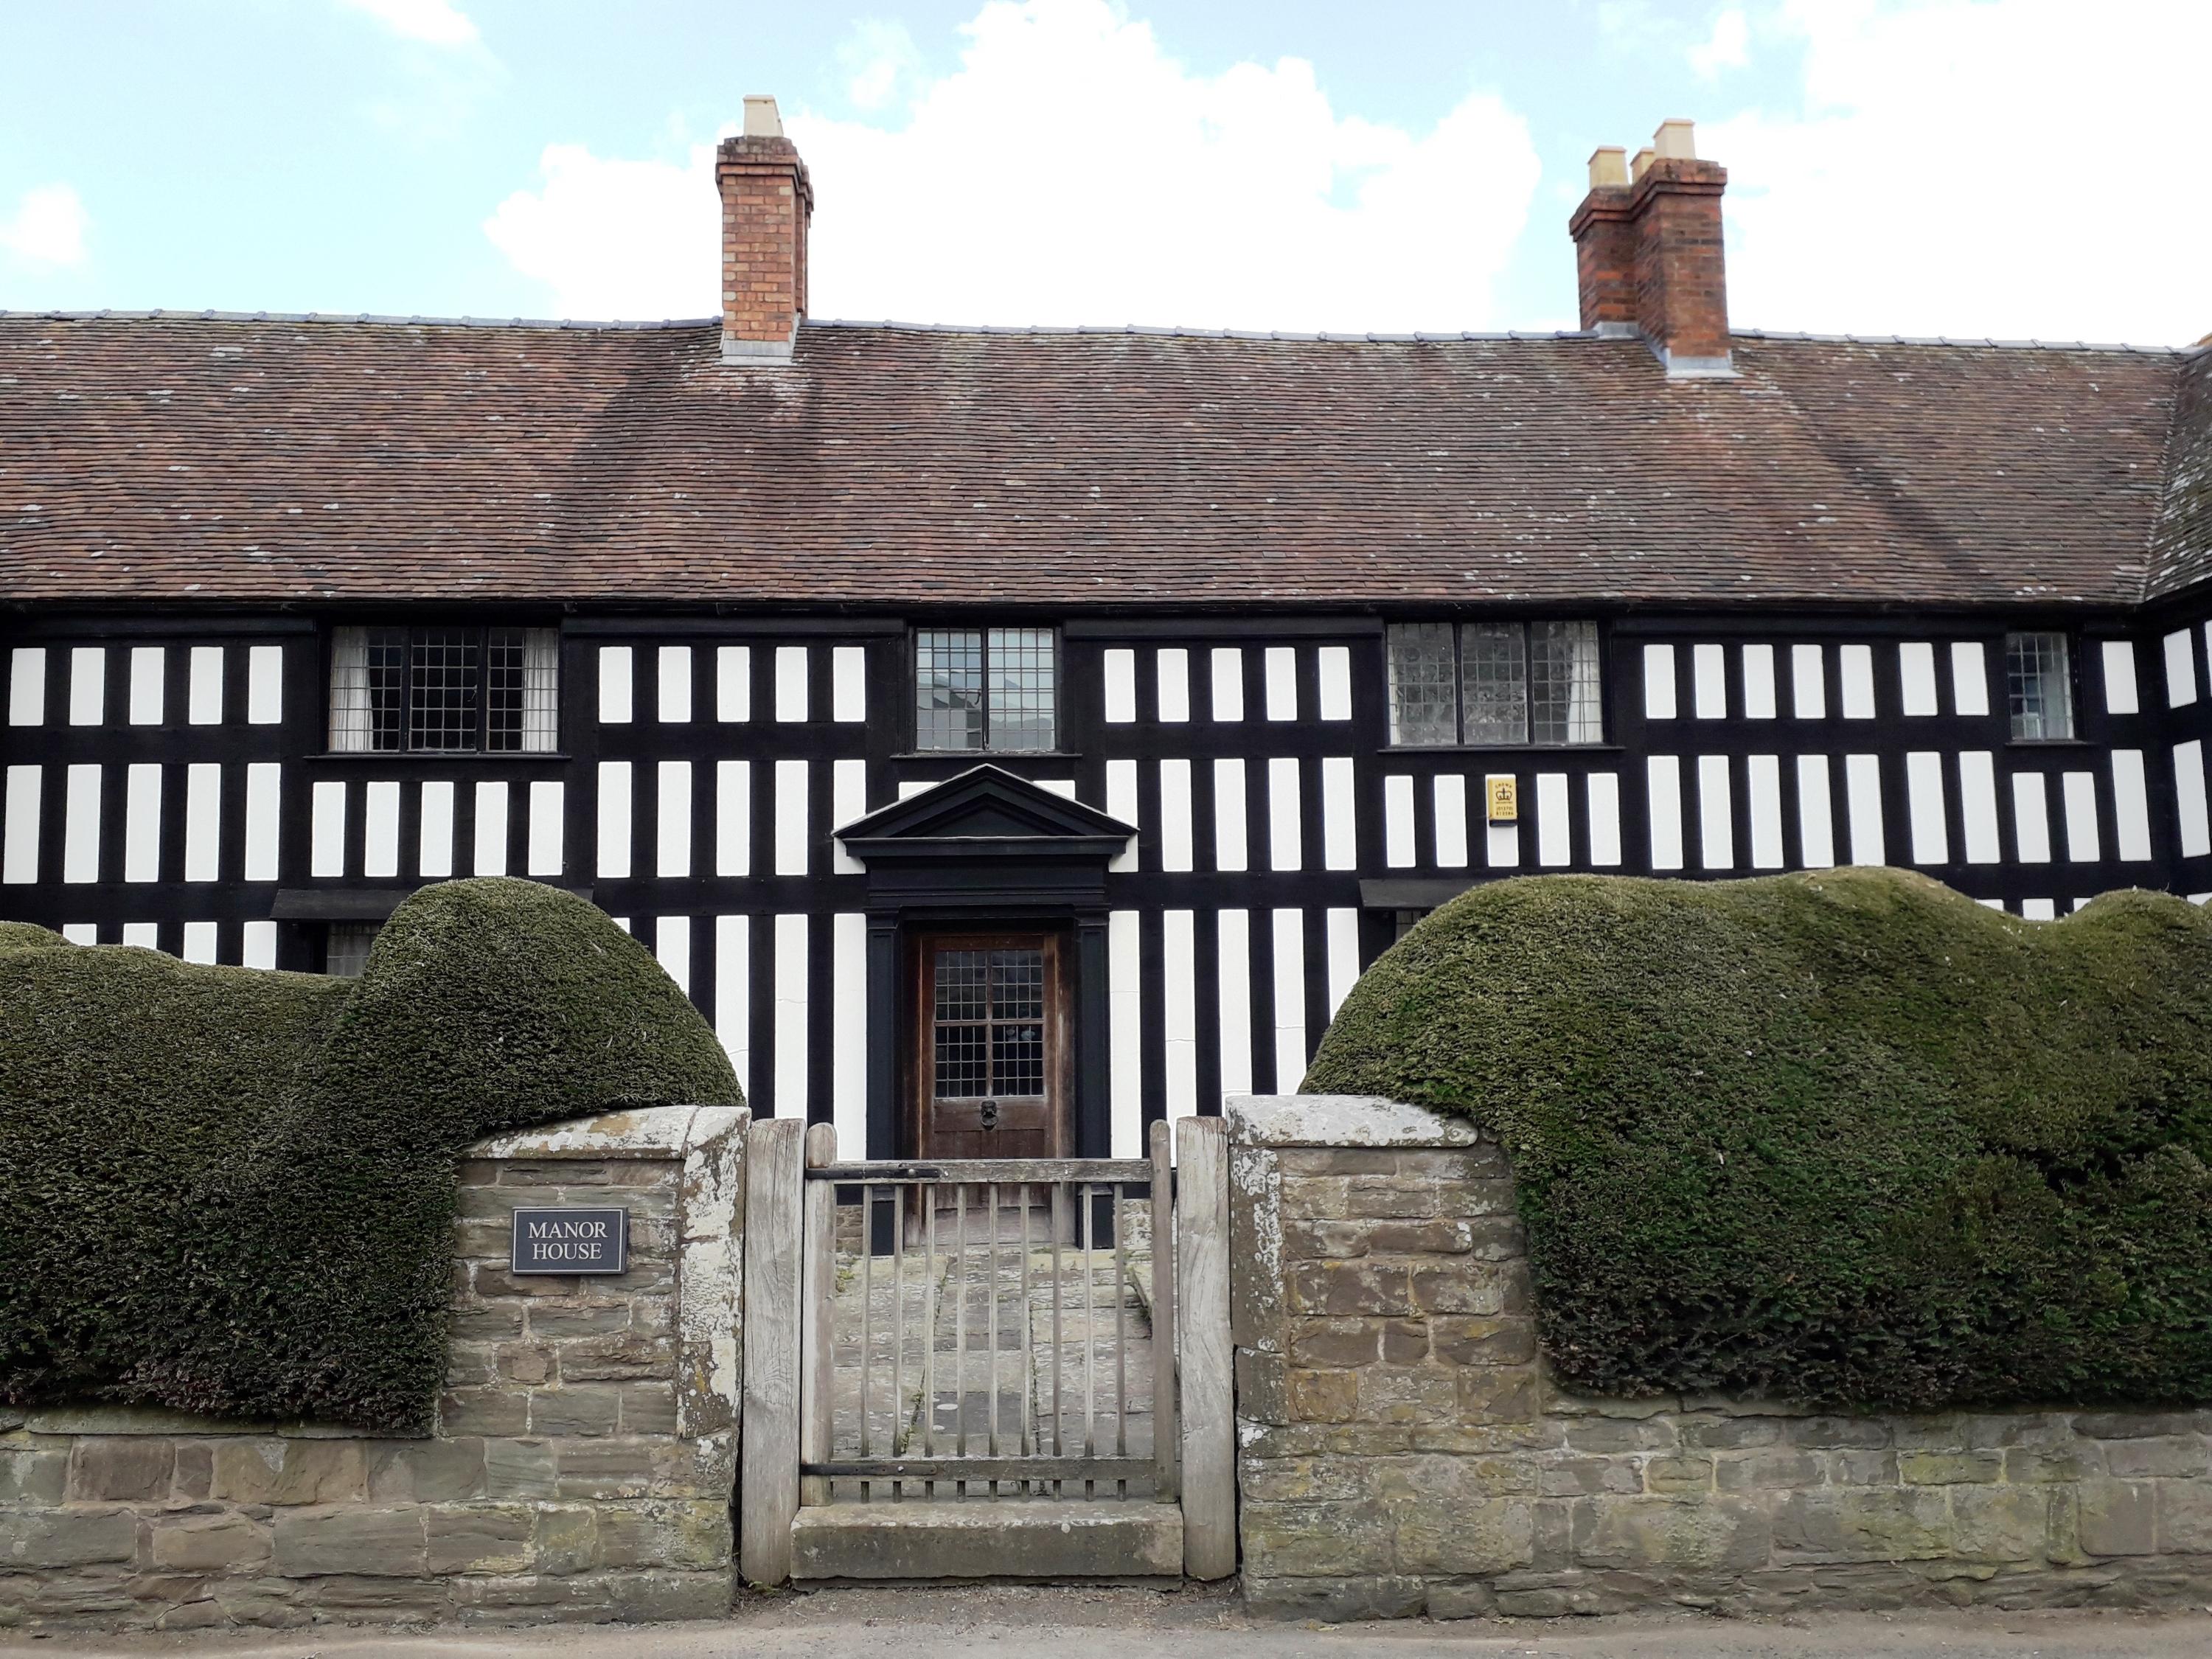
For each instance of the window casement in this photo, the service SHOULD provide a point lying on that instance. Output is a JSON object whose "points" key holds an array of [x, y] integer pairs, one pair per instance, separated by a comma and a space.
{"points": [[1495, 682], [445, 690], [346, 946], [987, 1023], [2039, 685], [985, 689]]}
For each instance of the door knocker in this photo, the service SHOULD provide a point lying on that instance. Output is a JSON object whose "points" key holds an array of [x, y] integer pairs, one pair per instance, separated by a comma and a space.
{"points": [[990, 1115]]}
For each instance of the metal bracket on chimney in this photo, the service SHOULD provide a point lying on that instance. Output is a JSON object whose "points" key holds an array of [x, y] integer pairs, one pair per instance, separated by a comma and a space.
{"points": [[1690, 369], [1699, 368], [759, 354]]}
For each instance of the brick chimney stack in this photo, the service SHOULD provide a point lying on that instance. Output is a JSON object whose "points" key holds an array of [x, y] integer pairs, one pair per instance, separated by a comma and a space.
{"points": [[1647, 253], [768, 203]]}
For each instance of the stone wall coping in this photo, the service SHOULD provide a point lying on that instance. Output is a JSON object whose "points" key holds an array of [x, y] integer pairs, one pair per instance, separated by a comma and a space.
{"points": [[104, 1419], [652, 1132], [1341, 1121]]}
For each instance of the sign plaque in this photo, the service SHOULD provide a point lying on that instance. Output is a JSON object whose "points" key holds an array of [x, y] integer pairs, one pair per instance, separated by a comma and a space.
{"points": [[1504, 799], [571, 1242]]}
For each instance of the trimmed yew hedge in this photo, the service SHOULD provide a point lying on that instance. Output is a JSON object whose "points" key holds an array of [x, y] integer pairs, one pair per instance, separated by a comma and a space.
{"points": [[233, 1191], [1844, 1137]]}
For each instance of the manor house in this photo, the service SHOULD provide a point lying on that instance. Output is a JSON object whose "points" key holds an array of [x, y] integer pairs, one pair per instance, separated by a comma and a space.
{"points": [[1011, 736]]}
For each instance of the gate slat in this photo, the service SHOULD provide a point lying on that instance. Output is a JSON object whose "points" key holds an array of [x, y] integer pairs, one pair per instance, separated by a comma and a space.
{"points": [[818, 1333]]}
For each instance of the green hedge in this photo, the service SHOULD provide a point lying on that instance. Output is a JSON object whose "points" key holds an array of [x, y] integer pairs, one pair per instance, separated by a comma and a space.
{"points": [[231, 1190], [1844, 1137]]}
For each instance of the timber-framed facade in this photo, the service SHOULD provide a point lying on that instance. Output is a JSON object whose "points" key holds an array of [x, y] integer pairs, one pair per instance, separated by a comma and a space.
{"points": [[301, 613]]}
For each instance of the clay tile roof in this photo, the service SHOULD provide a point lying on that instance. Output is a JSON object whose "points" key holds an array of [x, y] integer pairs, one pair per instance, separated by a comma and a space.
{"points": [[2181, 546], [224, 457]]}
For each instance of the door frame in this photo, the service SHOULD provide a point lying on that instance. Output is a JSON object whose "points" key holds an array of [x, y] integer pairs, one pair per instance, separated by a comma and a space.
{"points": [[918, 1029], [987, 852]]}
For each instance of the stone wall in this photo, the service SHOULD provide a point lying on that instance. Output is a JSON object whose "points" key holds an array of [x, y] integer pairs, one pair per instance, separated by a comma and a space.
{"points": [[582, 1468], [1400, 1448]]}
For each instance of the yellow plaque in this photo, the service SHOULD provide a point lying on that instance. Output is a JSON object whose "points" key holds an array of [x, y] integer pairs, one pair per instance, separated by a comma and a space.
{"points": [[1505, 802]]}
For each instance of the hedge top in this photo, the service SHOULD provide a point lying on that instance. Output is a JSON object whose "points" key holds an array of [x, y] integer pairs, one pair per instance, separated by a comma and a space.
{"points": [[249, 1177], [1845, 1136]]}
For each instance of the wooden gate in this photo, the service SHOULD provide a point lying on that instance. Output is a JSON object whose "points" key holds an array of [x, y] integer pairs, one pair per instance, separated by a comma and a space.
{"points": [[1024, 1334]]}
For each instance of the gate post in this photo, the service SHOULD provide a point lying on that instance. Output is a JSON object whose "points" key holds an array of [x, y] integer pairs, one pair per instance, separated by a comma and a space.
{"points": [[1209, 1403], [767, 1487]]}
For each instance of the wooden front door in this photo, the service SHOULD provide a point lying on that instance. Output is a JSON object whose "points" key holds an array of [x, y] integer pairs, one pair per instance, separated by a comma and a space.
{"points": [[992, 1049]]}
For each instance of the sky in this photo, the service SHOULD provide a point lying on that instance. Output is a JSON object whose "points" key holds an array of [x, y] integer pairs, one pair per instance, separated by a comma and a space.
{"points": [[2002, 168]]}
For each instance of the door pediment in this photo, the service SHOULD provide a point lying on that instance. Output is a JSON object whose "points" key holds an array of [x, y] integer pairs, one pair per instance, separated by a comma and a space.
{"points": [[986, 811], [987, 844]]}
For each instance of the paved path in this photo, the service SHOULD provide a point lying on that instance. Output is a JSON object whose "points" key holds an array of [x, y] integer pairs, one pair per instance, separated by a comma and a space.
{"points": [[1193, 1623]]}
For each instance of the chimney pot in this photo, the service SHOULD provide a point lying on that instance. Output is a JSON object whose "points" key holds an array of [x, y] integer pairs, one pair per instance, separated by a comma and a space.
{"points": [[1675, 140], [1642, 164], [1608, 168], [762, 119]]}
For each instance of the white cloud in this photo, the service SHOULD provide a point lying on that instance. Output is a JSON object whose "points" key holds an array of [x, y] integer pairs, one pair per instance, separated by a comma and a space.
{"points": [[880, 61], [1070, 171], [2010, 169], [1729, 47], [48, 227], [618, 239], [434, 21]]}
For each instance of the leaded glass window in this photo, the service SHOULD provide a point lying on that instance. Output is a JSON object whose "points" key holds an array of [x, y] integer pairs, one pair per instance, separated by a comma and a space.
{"points": [[445, 690], [2039, 686], [1424, 685], [985, 689], [1495, 682], [1563, 683], [346, 947], [988, 1024]]}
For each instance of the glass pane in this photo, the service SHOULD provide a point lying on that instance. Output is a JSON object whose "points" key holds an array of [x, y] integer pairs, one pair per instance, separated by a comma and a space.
{"points": [[350, 716], [989, 1023], [502, 689], [1563, 682], [346, 952], [948, 683], [2041, 690], [1021, 688], [1493, 683], [387, 655], [1017, 1022], [963, 1030], [441, 712], [541, 689], [1424, 705]]}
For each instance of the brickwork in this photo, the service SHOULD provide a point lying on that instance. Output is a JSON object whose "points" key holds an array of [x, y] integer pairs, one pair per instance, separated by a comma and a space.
{"points": [[1681, 276], [583, 1465], [1401, 1449], [1605, 257], [767, 204], [1650, 255]]}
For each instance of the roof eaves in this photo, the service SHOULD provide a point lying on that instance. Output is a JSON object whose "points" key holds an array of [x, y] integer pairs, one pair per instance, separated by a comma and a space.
{"points": [[1795, 337], [1182, 332], [1417, 338], [356, 318]]}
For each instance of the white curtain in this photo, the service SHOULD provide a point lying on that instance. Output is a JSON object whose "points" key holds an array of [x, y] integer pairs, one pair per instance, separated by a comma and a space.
{"points": [[1585, 697], [350, 709], [541, 689]]}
